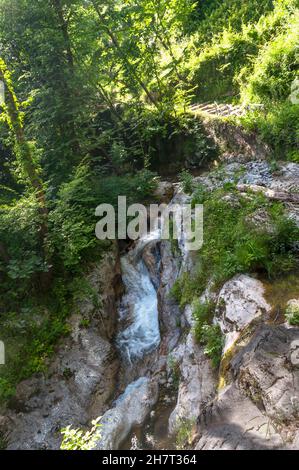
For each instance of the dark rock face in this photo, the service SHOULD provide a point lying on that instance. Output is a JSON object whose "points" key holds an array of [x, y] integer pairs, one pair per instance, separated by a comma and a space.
{"points": [[152, 259]]}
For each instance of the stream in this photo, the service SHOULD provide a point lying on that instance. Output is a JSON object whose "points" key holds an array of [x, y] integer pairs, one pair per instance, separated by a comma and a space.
{"points": [[139, 305], [140, 414]]}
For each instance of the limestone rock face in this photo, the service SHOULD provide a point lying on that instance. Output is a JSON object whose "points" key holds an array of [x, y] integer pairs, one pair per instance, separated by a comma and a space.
{"points": [[259, 409], [169, 312], [233, 422], [131, 409], [241, 300], [81, 378], [268, 373], [197, 384]]}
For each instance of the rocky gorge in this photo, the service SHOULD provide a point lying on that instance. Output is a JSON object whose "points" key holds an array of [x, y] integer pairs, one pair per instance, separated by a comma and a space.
{"points": [[138, 365]]}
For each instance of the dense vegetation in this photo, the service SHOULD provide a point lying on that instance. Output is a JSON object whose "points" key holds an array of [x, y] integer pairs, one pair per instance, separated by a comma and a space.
{"points": [[97, 97]]}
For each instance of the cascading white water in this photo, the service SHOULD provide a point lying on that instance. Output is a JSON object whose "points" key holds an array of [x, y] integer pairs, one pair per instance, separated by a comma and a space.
{"points": [[138, 311], [139, 305]]}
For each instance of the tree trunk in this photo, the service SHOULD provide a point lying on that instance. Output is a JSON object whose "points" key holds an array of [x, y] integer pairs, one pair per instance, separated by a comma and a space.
{"points": [[123, 57], [24, 154], [64, 29]]}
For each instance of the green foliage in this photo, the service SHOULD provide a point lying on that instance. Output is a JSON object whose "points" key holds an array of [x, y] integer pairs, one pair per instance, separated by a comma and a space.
{"points": [[206, 333], [187, 181], [268, 80], [292, 314], [30, 334], [233, 243], [103, 92], [183, 289], [279, 127], [203, 314], [77, 439], [174, 367], [275, 67], [184, 433], [213, 340], [231, 14]]}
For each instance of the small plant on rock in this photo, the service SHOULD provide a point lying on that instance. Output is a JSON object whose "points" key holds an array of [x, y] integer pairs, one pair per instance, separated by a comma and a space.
{"points": [[77, 439], [292, 313], [187, 181]]}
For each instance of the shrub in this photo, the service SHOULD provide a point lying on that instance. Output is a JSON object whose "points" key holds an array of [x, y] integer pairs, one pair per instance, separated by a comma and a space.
{"points": [[212, 338], [77, 439], [279, 128], [202, 313], [187, 181], [206, 333], [275, 67], [184, 433], [292, 313]]}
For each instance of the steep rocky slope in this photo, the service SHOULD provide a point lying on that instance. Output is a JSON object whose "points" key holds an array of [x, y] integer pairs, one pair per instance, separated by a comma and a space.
{"points": [[251, 402]]}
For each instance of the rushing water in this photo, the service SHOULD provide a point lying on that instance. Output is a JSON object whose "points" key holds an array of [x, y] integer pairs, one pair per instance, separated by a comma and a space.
{"points": [[140, 335], [139, 305]]}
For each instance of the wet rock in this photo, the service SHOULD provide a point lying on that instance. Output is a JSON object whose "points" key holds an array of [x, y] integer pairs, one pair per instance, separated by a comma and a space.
{"points": [[169, 312], [151, 257], [131, 409]]}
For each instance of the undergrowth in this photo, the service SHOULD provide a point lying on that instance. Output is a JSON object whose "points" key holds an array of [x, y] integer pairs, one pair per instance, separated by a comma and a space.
{"points": [[234, 243]]}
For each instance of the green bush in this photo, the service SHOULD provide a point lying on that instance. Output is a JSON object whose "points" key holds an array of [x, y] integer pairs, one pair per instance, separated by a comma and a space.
{"points": [[203, 313], [187, 181], [77, 439], [206, 333], [213, 340], [275, 67], [292, 314], [279, 128], [184, 433]]}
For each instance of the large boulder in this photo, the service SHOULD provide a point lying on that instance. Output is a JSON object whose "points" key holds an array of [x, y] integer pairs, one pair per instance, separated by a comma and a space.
{"points": [[131, 409], [241, 300], [259, 409]]}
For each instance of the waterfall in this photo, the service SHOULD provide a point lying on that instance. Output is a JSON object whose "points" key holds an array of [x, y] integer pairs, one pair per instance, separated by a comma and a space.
{"points": [[139, 305]]}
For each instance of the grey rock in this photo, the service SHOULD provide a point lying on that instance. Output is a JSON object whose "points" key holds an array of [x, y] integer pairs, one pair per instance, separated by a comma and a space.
{"points": [[241, 300], [197, 384], [131, 409], [81, 378]]}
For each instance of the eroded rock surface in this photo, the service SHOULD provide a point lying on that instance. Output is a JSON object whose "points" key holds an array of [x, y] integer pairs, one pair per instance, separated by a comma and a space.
{"points": [[259, 409], [197, 383], [82, 377], [131, 409], [241, 300]]}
